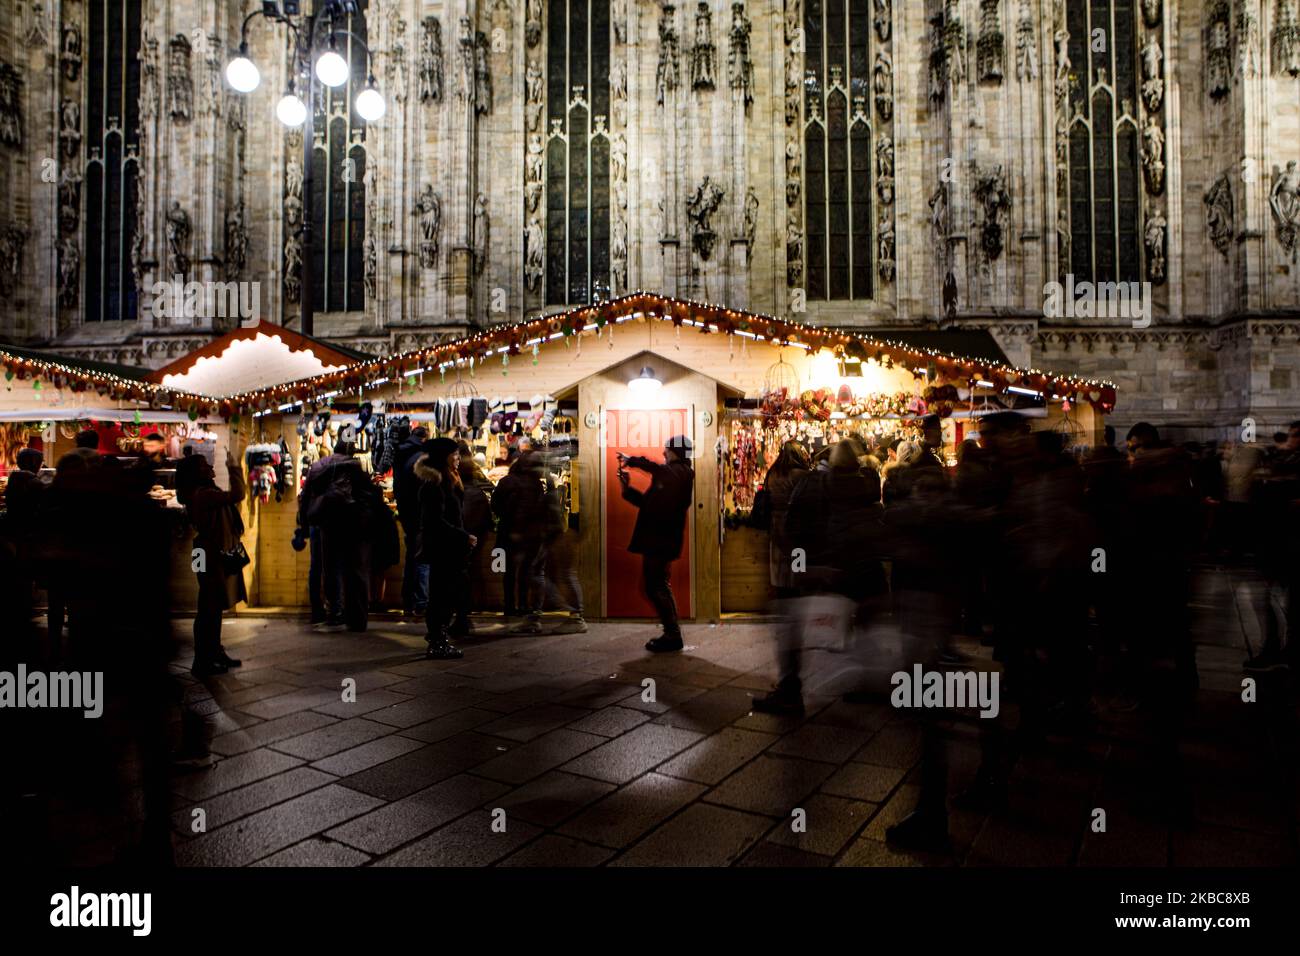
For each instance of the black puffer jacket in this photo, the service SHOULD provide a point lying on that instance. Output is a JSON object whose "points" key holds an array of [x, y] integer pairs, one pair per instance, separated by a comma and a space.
{"points": [[406, 486], [443, 538], [835, 516]]}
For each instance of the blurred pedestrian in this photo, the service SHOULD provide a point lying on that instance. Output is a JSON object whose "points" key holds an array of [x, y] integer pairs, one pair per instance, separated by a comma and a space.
{"points": [[478, 522], [444, 544], [406, 492], [336, 498], [519, 502]]}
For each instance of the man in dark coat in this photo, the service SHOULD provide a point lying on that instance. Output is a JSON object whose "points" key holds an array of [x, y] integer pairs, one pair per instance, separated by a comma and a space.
{"points": [[444, 544], [661, 529], [406, 489]]}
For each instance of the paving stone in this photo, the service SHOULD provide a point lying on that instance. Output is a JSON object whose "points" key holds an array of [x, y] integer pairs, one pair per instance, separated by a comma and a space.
{"points": [[623, 816], [610, 721], [667, 695], [469, 841], [701, 835], [868, 852], [315, 852], [367, 701], [531, 722], [896, 745], [821, 742], [390, 826], [716, 757], [830, 823], [301, 699], [343, 735], [252, 694], [275, 828], [771, 785], [862, 781], [552, 797], [367, 755], [710, 711], [268, 732], [233, 804], [553, 851], [538, 756], [421, 709], [767, 853], [418, 769], [449, 725], [233, 772], [599, 693], [623, 758]]}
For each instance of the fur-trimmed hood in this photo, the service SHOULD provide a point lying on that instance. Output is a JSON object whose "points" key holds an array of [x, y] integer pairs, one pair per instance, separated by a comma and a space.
{"points": [[426, 472]]}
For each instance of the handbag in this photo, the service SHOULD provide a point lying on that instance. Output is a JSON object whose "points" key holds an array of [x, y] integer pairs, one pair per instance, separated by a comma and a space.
{"points": [[234, 560]]}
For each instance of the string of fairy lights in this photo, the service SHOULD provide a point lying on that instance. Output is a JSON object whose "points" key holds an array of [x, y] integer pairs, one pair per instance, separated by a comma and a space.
{"points": [[510, 339]]}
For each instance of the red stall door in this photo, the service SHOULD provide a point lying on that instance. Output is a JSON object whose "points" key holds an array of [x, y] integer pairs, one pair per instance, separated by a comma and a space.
{"points": [[638, 432]]}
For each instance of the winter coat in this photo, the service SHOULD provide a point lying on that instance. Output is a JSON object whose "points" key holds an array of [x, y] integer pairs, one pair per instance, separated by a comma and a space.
{"points": [[406, 486], [519, 502], [218, 527], [478, 505], [780, 488], [661, 517], [443, 542], [835, 517], [342, 479]]}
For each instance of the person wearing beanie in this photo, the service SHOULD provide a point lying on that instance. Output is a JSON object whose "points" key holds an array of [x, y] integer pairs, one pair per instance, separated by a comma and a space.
{"points": [[660, 529], [444, 544]]}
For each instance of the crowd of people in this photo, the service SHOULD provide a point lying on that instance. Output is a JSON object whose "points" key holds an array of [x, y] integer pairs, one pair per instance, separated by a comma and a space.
{"points": [[1076, 571]]}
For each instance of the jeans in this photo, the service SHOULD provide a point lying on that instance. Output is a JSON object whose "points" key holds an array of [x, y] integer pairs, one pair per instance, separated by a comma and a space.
{"points": [[654, 578], [525, 583], [415, 577], [322, 591], [562, 574]]}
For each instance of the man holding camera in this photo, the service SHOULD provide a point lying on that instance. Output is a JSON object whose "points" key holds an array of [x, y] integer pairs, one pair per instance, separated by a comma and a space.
{"points": [[661, 529]]}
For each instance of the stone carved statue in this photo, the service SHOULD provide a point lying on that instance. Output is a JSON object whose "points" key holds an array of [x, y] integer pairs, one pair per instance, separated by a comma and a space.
{"points": [[1026, 44], [292, 267], [995, 202], [428, 209], [1151, 13], [704, 202], [1284, 200], [1153, 153], [885, 170], [69, 272], [70, 53], [1218, 214], [535, 94], [1154, 238], [740, 68], [1218, 55], [1286, 39], [180, 83], [370, 272], [430, 60], [618, 255], [534, 253], [668, 70], [482, 74], [178, 237], [990, 48], [149, 87], [793, 250], [618, 19], [534, 172], [533, 22], [883, 82], [482, 232], [703, 53], [70, 127], [12, 241], [11, 111], [1153, 84], [750, 228], [466, 85], [236, 243], [884, 19], [69, 199], [886, 266]]}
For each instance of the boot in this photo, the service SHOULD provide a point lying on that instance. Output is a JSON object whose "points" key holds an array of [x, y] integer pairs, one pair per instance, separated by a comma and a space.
{"points": [[920, 830]]}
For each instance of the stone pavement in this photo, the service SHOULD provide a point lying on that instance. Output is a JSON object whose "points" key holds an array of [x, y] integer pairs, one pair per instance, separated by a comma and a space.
{"points": [[557, 732]]}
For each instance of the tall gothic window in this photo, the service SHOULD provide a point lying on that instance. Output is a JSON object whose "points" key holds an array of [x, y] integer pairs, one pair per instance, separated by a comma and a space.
{"points": [[577, 151], [837, 148], [1104, 201], [112, 143], [338, 194]]}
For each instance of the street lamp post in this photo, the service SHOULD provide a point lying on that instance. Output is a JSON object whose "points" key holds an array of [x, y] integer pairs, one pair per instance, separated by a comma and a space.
{"points": [[332, 70]]}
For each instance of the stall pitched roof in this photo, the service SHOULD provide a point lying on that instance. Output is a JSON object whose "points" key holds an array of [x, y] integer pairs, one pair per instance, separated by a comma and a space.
{"points": [[130, 372], [259, 355]]}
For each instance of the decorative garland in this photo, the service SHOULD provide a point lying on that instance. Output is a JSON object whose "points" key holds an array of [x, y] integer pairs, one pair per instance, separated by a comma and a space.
{"points": [[512, 339]]}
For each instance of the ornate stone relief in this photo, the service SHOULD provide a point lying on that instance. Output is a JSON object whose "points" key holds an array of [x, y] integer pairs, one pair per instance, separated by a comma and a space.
{"points": [[703, 53], [11, 110], [1154, 239], [180, 83], [1218, 52], [884, 20], [793, 145], [704, 202], [1218, 214], [883, 82], [1247, 38], [1286, 38], [1026, 44], [70, 53], [430, 60], [70, 127], [995, 202], [428, 210], [1153, 155], [990, 47], [178, 239], [12, 241], [1284, 201], [1153, 83], [740, 68], [668, 70], [482, 233]]}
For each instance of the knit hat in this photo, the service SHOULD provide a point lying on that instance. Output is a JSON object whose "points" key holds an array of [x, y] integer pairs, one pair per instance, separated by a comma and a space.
{"points": [[439, 450], [680, 444]]}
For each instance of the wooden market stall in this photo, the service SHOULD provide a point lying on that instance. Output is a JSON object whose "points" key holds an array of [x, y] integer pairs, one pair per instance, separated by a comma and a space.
{"points": [[624, 376]]}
